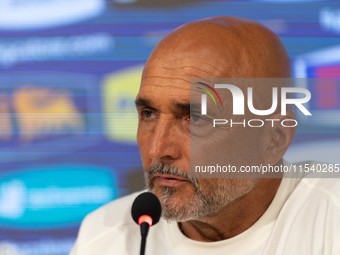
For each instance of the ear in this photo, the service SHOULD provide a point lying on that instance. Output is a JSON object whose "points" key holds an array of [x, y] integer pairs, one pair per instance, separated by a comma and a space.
{"points": [[281, 136]]}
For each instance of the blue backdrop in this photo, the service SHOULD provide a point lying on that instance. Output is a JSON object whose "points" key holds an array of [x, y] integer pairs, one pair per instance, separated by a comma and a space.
{"points": [[70, 71]]}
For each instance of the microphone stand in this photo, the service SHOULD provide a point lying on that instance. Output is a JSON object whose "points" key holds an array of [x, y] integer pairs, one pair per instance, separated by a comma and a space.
{"points": [[144, 228]]}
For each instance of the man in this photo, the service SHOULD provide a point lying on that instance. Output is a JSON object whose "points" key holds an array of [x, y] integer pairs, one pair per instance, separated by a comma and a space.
{"points": [[216, 216]]}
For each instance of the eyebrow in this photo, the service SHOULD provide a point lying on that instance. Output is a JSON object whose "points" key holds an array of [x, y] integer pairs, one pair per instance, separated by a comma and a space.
{"points": [[182, 107], [186, 107], [195, 107], [143, 102]]}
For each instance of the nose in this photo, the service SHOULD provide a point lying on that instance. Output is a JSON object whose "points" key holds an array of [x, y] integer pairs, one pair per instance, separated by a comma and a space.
{"points": [[165, 144]]}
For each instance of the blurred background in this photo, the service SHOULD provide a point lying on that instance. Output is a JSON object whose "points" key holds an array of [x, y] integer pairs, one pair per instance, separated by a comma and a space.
{"points": [[69, 74]]}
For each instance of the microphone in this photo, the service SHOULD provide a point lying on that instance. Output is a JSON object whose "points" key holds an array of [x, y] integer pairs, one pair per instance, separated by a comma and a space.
{"points": [[146, 211]]}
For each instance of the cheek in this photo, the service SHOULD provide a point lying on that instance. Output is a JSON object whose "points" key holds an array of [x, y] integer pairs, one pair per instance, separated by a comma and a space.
{"points": [[210, 185], [143, 141], [230, 188], [210, 151], [227, 150]]}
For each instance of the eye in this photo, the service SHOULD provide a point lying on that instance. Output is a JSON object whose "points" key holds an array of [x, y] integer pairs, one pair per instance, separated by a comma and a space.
{"points": [[198, 125], [197, 119], [148, 114]]}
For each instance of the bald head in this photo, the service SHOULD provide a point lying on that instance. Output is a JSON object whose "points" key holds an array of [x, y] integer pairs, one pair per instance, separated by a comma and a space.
{"points": [[222, 47]]}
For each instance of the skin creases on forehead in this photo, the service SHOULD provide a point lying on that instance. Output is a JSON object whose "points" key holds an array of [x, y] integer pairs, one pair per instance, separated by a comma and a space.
{"points": [[175, 59]]}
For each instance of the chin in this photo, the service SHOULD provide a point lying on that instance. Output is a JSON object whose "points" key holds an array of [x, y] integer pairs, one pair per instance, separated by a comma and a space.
{"points": [[177, 205]]}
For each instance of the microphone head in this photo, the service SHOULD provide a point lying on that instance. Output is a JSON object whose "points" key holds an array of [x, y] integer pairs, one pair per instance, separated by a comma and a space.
{"points": [[146, 204]]}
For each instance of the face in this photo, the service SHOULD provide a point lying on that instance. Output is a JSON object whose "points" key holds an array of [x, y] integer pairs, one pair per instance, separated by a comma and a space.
{"points": [[163, 105]]}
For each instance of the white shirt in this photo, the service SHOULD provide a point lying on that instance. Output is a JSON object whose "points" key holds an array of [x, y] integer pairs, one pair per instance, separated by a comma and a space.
{"points": [[303, 219]]}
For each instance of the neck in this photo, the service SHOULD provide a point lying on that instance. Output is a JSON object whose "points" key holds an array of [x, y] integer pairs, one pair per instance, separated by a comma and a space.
{"points": [[235, 217]]}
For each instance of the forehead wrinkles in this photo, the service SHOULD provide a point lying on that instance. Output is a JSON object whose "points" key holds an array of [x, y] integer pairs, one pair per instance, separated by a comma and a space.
{"points": [[165, 91], [184, 67]]}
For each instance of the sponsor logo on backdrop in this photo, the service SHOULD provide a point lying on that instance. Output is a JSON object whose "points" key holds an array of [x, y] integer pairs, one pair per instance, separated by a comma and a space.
{"points": [[37, 247], [330, 19], [13, 51], [45, 109], [39, 112], [119, 91], [54, 196], [33, 14]]}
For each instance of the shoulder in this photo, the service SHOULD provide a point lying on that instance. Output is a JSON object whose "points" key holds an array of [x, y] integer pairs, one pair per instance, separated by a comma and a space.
{"points": [[107, 219]]}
